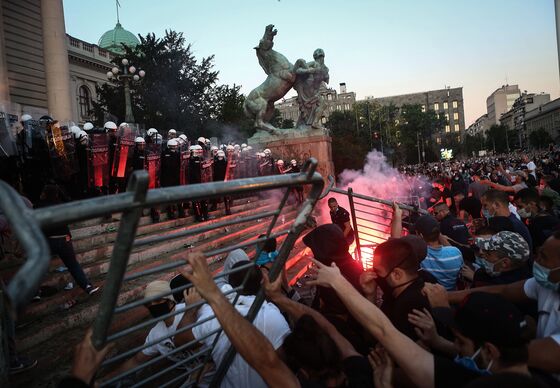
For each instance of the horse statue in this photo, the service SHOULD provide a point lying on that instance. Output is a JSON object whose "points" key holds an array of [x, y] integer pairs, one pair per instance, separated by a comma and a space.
{"points": [[259, 104]]}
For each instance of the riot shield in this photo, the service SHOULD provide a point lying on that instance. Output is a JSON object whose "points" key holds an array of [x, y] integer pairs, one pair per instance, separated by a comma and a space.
{"points": [[153, 165], [207, 171], [122, 159], [62, 152], [183, 170], [7, 136], [98, 161], [231, 166]]}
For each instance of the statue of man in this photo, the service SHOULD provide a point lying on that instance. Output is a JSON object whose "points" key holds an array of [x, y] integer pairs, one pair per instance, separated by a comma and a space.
{"points": [[310, 77]]}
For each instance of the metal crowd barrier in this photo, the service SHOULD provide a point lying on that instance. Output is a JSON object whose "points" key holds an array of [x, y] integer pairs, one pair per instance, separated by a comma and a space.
{"points": [[27, 223], [371, 219]]}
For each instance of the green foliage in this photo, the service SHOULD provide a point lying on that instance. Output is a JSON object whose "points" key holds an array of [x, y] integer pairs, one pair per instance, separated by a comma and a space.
{"points": [[473, 144], [349, 146], [287, 123], [540, 138], [496, 138], [178, 90]]}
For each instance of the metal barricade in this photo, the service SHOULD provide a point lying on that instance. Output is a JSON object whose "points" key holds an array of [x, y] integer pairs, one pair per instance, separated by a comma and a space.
{"points": [[371, 219], [27, 223]]}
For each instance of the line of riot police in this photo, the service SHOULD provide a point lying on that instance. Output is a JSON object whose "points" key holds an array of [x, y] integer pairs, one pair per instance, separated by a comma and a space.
{"points": [[95, 161]]}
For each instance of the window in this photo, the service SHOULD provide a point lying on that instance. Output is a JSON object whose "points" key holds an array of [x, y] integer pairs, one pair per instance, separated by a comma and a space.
{"points": [[438, 140], [84, 100], [455, 104], [447, 117], [423, 108], [456, 127], [436, 106], [447, 128], [459, 138], [329, 97], [445, 105], [455, 116]]}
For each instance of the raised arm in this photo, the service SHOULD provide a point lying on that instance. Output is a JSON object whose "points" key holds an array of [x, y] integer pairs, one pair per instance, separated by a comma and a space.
{"points": [[513, 292], [417, 363], [249, 342], [297, 310]]}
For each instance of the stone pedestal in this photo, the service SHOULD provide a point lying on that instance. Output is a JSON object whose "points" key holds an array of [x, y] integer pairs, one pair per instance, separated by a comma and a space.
{"points": [[299, 145]]}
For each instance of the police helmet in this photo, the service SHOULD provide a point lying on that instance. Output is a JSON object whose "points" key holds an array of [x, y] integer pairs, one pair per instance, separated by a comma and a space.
{"points": [[88, 126], [110, 125], [140, 140], [26, 117]]}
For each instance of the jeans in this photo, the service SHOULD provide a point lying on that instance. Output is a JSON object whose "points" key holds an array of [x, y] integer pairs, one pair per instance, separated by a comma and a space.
{"points": [[65, 250]]}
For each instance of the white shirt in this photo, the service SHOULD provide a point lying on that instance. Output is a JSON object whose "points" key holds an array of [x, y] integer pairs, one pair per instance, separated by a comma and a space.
{"points": [[548, 302], [531, 166], [269, 321], [161, 330]]}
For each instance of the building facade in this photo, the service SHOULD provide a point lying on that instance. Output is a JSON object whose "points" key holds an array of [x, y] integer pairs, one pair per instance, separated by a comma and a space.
{"points": [[480, 126], [341, 101], [501, 101], [45, 71], [446, 103], [515, 117], [547, 117]]}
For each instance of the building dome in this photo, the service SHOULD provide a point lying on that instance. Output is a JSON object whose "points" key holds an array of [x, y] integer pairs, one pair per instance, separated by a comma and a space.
{"points": [[112, 39]]}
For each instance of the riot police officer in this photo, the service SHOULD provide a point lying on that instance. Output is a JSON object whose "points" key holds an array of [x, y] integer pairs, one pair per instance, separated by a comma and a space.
{"points": [[219, 174], [170, 175], [200, 207]]}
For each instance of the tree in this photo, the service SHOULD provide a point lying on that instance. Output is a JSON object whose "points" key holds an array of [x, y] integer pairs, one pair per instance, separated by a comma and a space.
{"points": [[178, 90], [496, 138], [473, 144], [287, 123], [540, 138]]}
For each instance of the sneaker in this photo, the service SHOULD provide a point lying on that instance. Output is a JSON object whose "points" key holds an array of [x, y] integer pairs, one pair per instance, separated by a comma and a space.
{"points": [[21, 363], [61, 269], [69, 286], [37, 297], [91, 289]]}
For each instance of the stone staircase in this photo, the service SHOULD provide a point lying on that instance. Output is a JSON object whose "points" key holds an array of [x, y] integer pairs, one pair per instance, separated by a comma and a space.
{"points": [[48, 332]]}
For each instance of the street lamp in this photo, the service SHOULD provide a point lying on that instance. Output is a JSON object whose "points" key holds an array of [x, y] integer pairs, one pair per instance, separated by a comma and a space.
{"points": [[126, 75]]}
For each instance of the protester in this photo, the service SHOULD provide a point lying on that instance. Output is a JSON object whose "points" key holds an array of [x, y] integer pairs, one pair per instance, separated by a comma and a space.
{"points": [[341, 218]]}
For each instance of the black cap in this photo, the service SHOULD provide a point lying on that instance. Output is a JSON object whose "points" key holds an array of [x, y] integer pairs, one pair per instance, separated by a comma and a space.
{"points": [[485, 317], [425, 225], [418, 246], [177, 282]]}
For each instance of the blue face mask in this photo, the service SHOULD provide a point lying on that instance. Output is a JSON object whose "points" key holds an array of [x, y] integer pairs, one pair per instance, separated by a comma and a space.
{"points": [[486, 213], [489, 267], [470, 363], [541, 276]]}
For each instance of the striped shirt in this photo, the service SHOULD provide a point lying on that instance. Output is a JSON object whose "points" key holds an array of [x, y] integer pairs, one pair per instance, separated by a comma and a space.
{"points": [[444, 264]]}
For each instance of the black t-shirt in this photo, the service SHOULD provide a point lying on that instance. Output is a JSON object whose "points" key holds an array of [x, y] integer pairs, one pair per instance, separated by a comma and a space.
{"points": [[397, 309], [454, 229], [448, 373], [471, 205], [340, 217], [542, 227], [357, 370]]}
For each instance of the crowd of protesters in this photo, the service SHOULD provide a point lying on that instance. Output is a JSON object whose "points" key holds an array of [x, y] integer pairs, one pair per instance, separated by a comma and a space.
{"points": [[467, 296]]}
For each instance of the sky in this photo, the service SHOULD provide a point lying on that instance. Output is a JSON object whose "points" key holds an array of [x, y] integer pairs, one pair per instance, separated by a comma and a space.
{"points": [[377, 47]]}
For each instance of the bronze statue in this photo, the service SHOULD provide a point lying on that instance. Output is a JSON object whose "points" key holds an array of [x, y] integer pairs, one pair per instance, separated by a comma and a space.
{"points": [[306, 78]]}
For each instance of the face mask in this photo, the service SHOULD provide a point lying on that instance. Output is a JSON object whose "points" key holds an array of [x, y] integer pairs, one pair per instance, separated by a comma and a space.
{"points": [[470, 363], [385, 287], [486, 213], [489, 267], [523, 213], [160, 309], [541, 276]]}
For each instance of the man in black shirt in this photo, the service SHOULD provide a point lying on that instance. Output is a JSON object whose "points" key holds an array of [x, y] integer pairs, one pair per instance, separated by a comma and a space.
{"points": [[396, 273], [469, 205], [341, 217], [540, 223]]}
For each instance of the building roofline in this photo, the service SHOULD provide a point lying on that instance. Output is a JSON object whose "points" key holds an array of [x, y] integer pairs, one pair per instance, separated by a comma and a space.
{"points": [[411, 94]]}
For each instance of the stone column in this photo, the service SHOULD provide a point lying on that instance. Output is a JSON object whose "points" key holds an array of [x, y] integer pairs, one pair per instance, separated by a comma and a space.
{"points": [[57, 69], [557, 14], [4, 85]]}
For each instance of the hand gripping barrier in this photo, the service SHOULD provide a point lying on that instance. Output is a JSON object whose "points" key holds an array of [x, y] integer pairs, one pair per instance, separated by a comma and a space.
{"points": [[27, 223]]}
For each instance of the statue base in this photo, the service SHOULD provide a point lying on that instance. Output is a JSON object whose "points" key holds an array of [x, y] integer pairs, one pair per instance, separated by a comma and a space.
{"points": [[300, 145]]}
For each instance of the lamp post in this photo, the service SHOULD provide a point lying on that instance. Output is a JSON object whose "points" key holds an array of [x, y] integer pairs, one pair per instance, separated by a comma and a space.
{"points": [[126, 75]]}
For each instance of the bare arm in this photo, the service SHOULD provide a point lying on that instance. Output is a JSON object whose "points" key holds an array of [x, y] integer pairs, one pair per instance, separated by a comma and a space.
{"points": [[297, 310], [497, 186], [396, 221], [416, 362], [544, 354], [251, 344], [138, 359], [347, 228], [189, 317], [513, 292]]}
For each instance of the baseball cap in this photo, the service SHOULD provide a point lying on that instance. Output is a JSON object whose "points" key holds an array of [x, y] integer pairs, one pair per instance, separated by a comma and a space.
{"points": [[176, 282], [485, 317], [158, 287], [508, 243], [418, 246], [426, 224]]}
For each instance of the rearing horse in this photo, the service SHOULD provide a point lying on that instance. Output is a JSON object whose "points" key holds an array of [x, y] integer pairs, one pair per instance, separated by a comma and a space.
{"points": [[259, 104]]}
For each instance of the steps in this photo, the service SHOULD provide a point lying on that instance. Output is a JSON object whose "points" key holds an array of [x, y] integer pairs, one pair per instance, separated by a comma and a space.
{"points": [[48, 333]]}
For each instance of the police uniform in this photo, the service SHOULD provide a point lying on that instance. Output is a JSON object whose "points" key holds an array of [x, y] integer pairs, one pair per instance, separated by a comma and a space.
{"points": [[339, 217], [200, 207], [219, 174]]}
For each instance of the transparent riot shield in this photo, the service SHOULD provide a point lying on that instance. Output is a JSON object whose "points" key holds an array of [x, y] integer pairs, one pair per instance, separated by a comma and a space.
{"points": [[98, 161], [122, 160], [153, 165], [7, 135], [62, 152], [183, 170]]}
